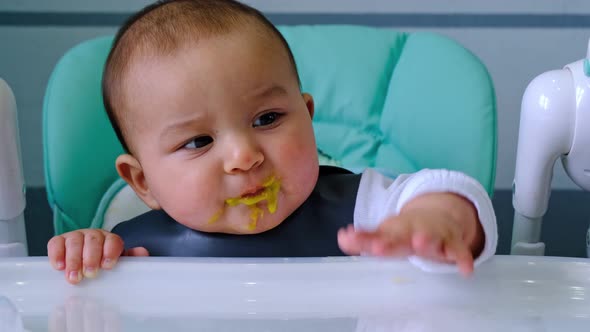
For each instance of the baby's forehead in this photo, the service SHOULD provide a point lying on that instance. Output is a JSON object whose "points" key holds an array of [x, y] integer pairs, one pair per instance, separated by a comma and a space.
{"points": [[163, 64], [147, 52], [212, 54]]}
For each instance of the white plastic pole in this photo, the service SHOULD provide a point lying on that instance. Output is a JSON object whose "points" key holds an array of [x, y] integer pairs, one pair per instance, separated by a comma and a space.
{"points": [[547, 122], [13, 239]]}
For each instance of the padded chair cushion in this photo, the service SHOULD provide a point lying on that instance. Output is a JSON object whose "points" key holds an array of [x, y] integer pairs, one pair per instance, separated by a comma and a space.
{"points": [[391, 100]]}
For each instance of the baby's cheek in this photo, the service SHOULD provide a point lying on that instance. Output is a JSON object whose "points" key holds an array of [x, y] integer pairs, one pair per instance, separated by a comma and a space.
{"points": [[189, 202], [298, 147], [300, 162], [289, 148]]}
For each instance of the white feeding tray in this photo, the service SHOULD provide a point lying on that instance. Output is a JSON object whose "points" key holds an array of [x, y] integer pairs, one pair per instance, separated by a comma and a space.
{"points": [[509, 293]]}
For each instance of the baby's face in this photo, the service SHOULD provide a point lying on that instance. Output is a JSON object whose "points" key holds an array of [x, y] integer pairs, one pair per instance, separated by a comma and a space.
{"points": [[223, 134]]}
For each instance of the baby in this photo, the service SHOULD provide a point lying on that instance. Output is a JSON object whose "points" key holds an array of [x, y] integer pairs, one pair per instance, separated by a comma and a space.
{"points": [[205, 98]]}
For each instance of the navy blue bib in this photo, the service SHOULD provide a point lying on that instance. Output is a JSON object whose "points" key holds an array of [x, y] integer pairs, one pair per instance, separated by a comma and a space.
{"points": [[310, 231]]}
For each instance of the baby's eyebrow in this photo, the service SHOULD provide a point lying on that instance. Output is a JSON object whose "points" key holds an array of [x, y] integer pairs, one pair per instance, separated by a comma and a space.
{"points": [[180, 126], [269, 91]]}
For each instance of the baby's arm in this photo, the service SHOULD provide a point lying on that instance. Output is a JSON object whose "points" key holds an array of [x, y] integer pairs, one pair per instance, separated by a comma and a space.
{"points": [[81, 253], [433, 216]]}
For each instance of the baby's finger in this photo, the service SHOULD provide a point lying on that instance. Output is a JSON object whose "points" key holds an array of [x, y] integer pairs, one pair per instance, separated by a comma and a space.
{"points": [[74, 246], [347, 242], [354, 242], [112, 249], [393, 238], [427, 245], [137, 252], [460, 254], [92, 252], [56, 250], [386, 245]]}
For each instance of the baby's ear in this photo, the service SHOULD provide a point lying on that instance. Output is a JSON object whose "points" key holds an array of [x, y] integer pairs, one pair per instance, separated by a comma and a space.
{"points": [[130, 170], [308, 99]]}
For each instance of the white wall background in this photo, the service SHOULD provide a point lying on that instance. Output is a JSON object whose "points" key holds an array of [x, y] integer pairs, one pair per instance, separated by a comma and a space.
{"points": [[517, 41]]}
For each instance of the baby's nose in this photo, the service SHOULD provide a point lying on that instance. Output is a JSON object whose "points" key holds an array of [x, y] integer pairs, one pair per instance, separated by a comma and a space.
{"points": [[243, 155]]}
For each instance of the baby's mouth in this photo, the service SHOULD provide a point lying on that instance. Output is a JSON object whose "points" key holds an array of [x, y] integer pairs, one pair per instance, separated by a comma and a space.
{"points": [[267, 192], [250, 197], [253, 193]]}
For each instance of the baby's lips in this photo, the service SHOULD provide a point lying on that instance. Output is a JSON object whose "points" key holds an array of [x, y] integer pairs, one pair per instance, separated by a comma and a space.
{"points": [[253, 192], [255, 195], [247, 200]]}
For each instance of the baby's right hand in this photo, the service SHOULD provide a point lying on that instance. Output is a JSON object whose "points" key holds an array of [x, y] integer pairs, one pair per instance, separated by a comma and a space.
{"points": [[82, 252]]}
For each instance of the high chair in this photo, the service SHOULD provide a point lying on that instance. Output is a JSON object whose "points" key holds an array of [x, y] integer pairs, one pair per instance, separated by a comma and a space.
{"points": [[386, 99]]}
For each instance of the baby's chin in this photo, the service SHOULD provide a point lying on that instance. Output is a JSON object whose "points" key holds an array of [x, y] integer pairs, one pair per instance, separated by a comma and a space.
{"points": [[245, 225], [238, 219]]}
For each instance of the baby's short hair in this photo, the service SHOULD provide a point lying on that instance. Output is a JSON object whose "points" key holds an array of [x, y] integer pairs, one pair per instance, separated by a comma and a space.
{"points": [[165, 26]]}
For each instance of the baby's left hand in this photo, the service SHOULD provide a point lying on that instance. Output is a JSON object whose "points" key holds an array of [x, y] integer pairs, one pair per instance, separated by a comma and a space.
{"points": [[442, 227]]}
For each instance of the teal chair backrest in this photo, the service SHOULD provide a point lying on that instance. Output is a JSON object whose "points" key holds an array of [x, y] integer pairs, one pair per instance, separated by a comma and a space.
{"points": [[385, 99]]}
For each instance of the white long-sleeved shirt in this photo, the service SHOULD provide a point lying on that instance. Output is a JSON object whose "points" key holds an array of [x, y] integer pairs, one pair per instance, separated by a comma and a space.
{"points": [[379, 197]]}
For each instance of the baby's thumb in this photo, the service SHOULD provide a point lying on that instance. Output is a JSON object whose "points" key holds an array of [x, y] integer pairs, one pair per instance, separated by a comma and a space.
{"points": [[348, 243], [137, 251]]}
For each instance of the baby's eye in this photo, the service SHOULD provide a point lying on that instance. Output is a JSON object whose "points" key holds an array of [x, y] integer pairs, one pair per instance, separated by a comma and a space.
{"points": [[266, 119], [199, 142]]}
